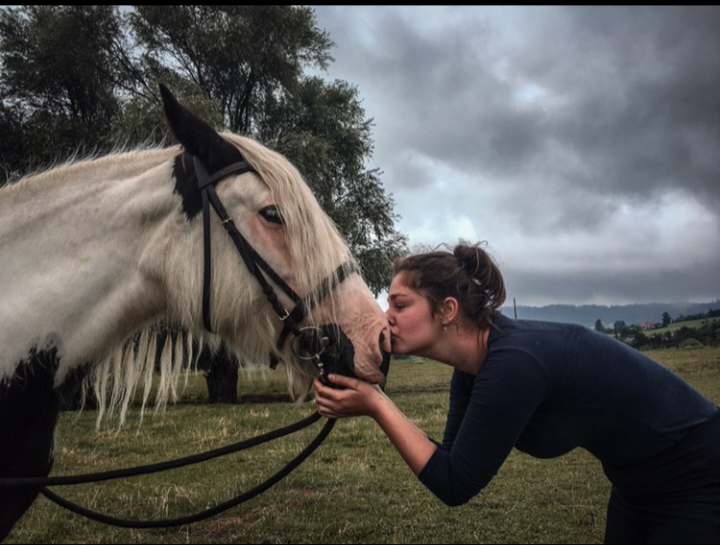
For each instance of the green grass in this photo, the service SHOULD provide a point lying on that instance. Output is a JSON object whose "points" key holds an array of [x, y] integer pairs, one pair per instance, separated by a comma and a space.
{"points": [[692, 324], [354, 489]]}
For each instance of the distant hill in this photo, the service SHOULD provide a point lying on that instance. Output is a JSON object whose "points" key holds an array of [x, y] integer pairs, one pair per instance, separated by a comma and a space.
{"points": [[587, 314]]}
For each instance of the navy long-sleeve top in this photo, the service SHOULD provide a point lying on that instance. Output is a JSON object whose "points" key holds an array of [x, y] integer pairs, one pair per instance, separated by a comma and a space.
{"points": [[547, 388]]}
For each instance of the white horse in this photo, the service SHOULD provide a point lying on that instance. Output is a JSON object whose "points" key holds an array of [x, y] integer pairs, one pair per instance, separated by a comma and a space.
{"points": [[92, 252]]}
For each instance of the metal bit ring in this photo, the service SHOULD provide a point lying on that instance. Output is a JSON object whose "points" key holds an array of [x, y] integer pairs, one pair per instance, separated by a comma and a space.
{"points": [[311, 330]]}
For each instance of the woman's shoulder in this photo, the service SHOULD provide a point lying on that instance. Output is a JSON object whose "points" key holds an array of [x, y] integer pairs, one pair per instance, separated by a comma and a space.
{"points": [[527, 348], [504, 326], [534, 337]]}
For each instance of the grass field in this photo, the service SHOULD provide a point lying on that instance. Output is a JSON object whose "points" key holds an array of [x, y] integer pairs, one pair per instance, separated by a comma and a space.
{"points": [[354, 489], [672, 328]]}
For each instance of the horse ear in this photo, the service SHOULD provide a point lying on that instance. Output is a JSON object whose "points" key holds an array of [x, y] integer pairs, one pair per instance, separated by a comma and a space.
{"points": [[196, 136]]}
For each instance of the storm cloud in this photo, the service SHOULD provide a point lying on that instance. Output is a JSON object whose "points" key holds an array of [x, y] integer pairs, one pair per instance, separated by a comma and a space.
{"points": [[582, 143]]}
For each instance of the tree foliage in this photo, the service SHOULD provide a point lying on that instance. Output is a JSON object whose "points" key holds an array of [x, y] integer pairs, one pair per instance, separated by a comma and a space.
{"points": [[57, 81], [244, 57]]}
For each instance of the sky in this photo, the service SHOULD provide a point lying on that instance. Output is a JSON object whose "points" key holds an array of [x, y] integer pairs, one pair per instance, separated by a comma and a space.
{"points": [[582, 144]]}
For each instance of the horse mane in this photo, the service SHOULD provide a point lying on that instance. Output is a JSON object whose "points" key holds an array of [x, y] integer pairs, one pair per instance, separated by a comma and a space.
{"points": [[121, 161]]}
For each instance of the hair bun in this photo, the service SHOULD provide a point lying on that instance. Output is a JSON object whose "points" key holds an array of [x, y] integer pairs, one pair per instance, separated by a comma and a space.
{"points": [[483, 271], [468, 257]]}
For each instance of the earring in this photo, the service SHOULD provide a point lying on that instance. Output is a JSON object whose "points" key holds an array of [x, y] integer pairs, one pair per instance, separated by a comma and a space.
{"points": [[444, 328]]}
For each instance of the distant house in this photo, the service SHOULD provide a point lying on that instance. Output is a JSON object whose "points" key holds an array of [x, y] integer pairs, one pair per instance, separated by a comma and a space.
{"points": [[649, 325]]}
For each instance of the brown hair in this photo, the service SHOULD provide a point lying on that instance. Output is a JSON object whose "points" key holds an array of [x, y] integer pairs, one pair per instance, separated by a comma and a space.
{"points": [[468, 274]]}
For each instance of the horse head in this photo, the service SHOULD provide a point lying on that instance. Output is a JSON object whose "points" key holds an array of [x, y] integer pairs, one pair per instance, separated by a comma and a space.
{"points": [[281, 222]]}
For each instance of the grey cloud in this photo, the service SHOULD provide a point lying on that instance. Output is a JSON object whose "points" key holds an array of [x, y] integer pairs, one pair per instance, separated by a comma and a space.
{"points": [[623, 111], [643, 85]]}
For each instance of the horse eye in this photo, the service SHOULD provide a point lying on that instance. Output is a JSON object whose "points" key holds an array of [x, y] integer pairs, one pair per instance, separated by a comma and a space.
{"points": [[271, 213]]}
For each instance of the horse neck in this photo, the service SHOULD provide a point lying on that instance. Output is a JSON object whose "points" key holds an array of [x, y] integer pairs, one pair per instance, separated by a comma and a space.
{"points": [[72, 243]]}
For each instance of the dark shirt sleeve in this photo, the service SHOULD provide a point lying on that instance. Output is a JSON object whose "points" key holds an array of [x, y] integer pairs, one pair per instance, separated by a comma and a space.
{"points": [[460, 390], [503, 397]]}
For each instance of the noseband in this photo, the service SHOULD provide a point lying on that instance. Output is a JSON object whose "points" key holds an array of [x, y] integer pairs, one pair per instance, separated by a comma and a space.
{"points": [[257, 266]]}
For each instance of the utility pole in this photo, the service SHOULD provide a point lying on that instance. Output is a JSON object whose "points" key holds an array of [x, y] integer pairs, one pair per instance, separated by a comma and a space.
{"points": [[515, 308]]}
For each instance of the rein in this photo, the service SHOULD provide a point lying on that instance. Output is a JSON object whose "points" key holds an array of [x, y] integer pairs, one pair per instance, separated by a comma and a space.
{"points": [[174, 464], [317, 341]]}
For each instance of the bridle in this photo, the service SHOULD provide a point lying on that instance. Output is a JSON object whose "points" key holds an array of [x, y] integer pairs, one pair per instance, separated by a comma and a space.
{"points": [[315, 338]]}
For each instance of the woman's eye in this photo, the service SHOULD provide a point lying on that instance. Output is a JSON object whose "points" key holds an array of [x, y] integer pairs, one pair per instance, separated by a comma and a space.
{"points": [[271, 214]]}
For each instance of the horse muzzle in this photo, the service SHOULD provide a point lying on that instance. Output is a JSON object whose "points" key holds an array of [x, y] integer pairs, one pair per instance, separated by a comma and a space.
{"points": [[330, 349]]}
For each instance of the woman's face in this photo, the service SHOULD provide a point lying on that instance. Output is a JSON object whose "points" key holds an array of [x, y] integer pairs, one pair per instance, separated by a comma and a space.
{"points": [[412, 324]]}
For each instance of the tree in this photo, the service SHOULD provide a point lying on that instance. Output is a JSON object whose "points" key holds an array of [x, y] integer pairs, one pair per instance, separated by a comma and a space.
{"points": [[57, 77], [666, 319], [599, 325], [244, 57], [620, 329], [13, 144]]}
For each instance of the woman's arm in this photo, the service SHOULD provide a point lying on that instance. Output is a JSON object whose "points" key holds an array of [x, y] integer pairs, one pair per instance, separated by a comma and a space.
{"points": [[503, 398], [362, 399], [460, 390]]}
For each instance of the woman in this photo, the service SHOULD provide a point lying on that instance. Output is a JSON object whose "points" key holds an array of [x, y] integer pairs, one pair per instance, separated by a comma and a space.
{"points": [[544, 388]]}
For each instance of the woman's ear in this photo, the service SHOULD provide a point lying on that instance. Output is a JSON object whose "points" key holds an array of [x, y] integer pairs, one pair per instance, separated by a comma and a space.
{"points": [[449, 311]]}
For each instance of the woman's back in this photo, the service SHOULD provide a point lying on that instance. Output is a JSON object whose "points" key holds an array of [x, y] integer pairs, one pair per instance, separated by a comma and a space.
{"points": [[601, 394], [547, 388]]}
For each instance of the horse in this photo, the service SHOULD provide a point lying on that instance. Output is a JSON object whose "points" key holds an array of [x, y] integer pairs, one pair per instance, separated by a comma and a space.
{"points": [[94, 251]]}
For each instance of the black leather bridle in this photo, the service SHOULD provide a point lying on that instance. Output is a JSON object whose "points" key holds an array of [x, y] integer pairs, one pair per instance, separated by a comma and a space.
{"points": [[308, 342]]}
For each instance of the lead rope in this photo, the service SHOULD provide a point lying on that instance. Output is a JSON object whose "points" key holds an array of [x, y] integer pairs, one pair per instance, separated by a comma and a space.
{"points": [[173, 464], [202, 515]]}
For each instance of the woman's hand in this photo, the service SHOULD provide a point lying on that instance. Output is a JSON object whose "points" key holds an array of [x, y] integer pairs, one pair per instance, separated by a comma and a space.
{"points": [[359, 398]]}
